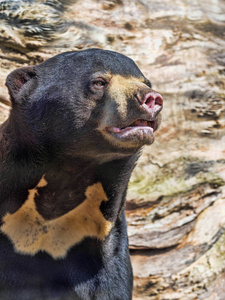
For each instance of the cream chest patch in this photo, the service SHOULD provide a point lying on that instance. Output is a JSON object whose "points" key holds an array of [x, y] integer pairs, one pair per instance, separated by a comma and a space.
{"points": [[31, 233]]}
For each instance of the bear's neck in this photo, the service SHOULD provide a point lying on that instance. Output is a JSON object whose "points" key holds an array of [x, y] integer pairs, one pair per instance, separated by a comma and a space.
{"points": [[66, 182], [65, 185]]}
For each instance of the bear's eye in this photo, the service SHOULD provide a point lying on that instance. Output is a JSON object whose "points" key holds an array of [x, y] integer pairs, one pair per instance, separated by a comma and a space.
{"points": [[99, 83]]}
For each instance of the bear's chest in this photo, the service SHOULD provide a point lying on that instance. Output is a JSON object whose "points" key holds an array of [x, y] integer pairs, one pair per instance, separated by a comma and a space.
{"points": [[30, 232]]}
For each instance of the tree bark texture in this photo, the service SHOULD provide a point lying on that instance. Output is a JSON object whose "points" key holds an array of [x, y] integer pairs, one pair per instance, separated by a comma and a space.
{"points": [[176, 197]]}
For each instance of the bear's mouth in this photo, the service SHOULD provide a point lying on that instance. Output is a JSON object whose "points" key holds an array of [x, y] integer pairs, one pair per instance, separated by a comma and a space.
{"points": [[136, 134]]}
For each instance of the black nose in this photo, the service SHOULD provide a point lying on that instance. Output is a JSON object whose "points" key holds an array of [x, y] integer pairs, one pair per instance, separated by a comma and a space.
{"points": [[152, 102]]}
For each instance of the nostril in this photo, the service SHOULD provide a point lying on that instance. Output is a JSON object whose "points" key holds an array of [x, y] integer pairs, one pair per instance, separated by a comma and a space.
{"points": [[159, 100], [150, 101]]}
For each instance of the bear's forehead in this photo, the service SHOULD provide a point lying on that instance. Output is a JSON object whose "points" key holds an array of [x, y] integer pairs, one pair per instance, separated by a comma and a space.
{"points": [[93, 60]]}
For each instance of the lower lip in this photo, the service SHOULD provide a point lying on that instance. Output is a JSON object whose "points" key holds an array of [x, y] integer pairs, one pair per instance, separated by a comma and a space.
{"points": [[141, 130]]}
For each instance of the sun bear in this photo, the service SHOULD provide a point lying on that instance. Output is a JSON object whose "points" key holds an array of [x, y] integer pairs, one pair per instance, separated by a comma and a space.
{"points": [[75, 131]]}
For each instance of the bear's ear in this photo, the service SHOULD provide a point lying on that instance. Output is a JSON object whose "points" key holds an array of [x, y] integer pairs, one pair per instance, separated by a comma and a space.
{"points": [[18, 82]]}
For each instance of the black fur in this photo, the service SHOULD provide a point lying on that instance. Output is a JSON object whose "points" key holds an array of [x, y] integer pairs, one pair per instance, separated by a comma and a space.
{"points": [[53, 130]]}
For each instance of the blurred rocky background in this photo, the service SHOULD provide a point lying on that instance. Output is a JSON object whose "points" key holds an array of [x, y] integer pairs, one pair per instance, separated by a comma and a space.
{"points": [[176, 198]]}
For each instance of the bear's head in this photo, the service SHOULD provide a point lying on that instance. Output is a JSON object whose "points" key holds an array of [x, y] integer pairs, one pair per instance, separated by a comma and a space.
{"points": [[90, 103]]}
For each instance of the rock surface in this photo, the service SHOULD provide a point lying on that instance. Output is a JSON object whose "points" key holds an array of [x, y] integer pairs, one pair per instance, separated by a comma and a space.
{"points": [[176, 197]]}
